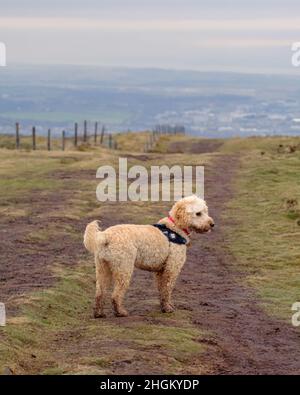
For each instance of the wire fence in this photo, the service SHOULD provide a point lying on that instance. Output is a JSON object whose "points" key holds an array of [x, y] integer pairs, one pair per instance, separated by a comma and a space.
{"points": [[98, 136]]}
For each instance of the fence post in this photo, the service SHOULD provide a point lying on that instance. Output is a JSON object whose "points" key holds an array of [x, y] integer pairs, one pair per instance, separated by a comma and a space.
{"points": [[33, 139], [63, 140], [110, 141], [151, 138], [85, 132], [76, 134], [153, 135], [102, 134], [17, 136], [49, 140], [96, 133]]}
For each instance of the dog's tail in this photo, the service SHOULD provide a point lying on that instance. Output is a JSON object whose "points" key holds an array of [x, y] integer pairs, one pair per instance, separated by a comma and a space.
{"points": [[93, 238]]}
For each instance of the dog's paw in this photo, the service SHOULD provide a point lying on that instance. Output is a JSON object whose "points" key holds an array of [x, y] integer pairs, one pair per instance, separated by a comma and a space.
{"points": [[121, 313], [168, 308], [98, 314]]}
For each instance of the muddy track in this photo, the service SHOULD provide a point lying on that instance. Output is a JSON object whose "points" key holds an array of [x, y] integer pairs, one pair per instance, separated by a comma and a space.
{"points": [[248, 341], [26, 262]]}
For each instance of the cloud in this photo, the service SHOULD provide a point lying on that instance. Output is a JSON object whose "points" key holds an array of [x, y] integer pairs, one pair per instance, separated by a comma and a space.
{"points": [[152, 9], [225, 34], [241, 43], [163, 25]]}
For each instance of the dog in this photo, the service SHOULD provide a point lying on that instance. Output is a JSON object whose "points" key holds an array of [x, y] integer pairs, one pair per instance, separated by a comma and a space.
{"points": [[159, 248]]}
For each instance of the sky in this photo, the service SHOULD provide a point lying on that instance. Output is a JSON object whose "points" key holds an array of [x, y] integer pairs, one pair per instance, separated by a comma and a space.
{"points": [[222, 35]]}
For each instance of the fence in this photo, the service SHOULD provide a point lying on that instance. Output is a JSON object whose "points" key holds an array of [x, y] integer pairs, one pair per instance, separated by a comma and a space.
{"points": [[160, 130], [96, 138], [86, 137]]}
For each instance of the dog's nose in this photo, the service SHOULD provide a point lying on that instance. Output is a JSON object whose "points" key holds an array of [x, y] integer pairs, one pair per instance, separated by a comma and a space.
{"points": [[212, 224]]}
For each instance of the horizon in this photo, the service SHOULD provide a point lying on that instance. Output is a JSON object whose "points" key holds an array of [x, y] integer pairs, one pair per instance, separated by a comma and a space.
{"points": [[295, 73]]}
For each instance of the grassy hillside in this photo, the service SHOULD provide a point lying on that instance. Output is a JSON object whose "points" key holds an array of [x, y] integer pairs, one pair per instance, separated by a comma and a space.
{"points": [[264, 219], [47, 198]]}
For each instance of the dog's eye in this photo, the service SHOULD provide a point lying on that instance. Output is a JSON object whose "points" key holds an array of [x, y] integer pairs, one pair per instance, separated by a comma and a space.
{"points": [[199, 214]]}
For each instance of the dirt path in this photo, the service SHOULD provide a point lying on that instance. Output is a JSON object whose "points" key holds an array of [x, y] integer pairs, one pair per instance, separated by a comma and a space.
{"points": [[29, 245], [249, 341]]}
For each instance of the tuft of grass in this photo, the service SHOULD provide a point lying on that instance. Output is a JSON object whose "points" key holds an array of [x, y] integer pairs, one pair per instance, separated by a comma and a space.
{"points": [[134, 142], [53, 371], [180, 341]]}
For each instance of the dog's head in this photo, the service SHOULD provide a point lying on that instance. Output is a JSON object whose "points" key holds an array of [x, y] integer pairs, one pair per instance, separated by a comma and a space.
{"points": [[192, 213]]}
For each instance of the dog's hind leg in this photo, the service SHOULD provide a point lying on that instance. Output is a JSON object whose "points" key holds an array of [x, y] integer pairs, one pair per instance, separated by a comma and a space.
{"points": [[103, 281], [121, 283], [166, 280]]}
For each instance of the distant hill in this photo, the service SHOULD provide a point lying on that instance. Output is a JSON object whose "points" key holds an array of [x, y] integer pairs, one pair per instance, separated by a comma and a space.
{"points": [[207, 103]]}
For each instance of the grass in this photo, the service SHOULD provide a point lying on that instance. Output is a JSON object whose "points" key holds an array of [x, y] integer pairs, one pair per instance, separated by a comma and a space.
{"points": [[265, 230], [132, 141], [47, 313], [163, 144], [33, 343]]}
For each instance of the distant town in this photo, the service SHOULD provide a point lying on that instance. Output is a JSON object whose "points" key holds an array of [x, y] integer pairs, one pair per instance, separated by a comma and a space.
{"points": [[207, 104], [227, 120]]}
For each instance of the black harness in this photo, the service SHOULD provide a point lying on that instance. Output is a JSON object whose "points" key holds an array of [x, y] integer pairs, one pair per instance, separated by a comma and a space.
{"points": [[172, 236]]}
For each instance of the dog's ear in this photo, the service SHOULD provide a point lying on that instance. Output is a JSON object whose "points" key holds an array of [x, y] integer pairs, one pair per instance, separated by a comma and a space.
{"points": [[180, 214], [179, 209]]}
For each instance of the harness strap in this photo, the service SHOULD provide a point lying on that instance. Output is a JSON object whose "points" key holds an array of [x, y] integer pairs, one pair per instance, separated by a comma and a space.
{"points": [[173, 237]]}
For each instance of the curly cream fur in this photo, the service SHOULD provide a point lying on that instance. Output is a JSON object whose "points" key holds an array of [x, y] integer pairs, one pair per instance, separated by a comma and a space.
{"points": [[121, 248]]}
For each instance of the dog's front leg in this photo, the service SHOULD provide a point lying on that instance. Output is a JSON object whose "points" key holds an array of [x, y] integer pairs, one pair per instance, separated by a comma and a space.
{"points": [[166, 280]]}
